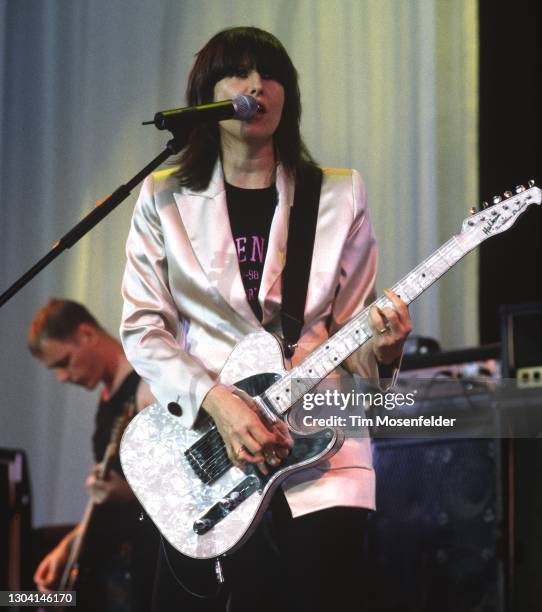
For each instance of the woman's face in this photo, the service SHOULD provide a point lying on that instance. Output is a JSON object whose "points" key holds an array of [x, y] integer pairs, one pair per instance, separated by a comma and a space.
{"points": [[269, 95]]}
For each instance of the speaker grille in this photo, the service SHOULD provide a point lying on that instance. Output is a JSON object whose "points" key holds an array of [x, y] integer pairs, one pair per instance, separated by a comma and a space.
{"points": [[435, 541]]}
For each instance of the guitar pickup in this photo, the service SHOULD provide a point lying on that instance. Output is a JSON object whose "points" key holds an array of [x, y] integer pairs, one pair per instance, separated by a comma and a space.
{"points": [[217, 512]]}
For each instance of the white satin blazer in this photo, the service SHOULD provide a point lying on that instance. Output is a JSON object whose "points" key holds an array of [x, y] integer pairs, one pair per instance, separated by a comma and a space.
{"points": [[185, 306]]}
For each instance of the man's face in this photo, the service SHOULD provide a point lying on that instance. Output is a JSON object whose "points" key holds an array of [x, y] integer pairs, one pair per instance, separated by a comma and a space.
{"points": [[72, 360]]}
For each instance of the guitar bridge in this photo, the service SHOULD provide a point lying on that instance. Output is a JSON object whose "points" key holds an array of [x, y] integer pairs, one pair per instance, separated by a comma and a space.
{"points": [[217, 512]]}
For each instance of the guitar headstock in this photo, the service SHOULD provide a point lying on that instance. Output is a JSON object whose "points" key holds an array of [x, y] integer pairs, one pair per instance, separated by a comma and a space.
{"points": [[502, 213]]}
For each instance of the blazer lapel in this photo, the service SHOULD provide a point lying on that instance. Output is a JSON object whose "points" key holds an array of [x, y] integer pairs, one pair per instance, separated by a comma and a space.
{"points": [[205, 217], [270, 288]]}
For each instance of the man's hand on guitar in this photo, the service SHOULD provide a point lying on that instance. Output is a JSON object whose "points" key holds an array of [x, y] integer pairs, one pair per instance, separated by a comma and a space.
{"points": [[248, 438], [49, 571], [112, 490]]}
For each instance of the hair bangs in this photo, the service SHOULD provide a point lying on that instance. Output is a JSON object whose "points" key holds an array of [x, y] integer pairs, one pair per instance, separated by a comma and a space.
{"points": [[229, 51], [251, 50]]}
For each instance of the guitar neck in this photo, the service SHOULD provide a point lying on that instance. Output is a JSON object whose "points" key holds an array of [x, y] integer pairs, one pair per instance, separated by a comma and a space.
{"points": [[78, 545], [288, 390], [70, 573]]}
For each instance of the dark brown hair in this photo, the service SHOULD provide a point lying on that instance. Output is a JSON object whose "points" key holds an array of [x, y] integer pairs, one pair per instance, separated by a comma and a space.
{"points": [[222, 56], [57, 320]]}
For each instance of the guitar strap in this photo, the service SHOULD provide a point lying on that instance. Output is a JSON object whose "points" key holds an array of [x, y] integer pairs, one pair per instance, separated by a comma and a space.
{"points": [[299, 249]]}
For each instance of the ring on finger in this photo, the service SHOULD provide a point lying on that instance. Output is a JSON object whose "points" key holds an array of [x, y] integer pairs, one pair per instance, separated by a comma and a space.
{"points": [[240, 450], [271, 458]]}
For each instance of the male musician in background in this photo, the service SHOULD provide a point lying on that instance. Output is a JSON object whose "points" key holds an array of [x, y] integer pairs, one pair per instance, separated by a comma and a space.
{"points": [[118, 563]]}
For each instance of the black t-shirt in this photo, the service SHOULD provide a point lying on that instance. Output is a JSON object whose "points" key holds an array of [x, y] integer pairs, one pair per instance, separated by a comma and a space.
{"points": [[251, 212], [108, 412], [114, 523]]}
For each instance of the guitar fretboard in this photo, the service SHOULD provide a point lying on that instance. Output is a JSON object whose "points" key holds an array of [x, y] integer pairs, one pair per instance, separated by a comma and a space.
{"points": [[283, 394]]}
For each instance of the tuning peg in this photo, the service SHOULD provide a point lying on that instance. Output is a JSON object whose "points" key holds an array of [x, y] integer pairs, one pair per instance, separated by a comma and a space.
{"points": [[508, 194], [484, 205], [531, 183], [520, 188], [497, 199], [472, 210]]}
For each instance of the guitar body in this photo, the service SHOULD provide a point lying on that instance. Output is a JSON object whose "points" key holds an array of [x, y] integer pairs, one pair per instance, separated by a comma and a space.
{"points": [[162, 462]]}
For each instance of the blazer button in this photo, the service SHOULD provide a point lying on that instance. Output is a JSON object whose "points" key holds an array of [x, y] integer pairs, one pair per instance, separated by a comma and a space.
{"points": [[175, 409]]}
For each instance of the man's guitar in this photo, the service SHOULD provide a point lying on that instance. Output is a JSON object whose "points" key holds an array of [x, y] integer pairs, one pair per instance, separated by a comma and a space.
{"points": [[203, 505], [72, 575]]}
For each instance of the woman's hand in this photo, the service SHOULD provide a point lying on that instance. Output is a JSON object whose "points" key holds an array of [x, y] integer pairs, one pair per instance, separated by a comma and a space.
{"points": [[390, 327], [248, 437]]}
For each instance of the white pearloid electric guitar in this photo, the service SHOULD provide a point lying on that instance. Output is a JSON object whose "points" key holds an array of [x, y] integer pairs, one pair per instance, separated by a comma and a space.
{"points": [[203, 505]]}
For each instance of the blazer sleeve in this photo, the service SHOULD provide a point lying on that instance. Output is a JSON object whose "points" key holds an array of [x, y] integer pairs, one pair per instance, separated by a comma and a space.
{"points": [[356, 289], [152, 328]]}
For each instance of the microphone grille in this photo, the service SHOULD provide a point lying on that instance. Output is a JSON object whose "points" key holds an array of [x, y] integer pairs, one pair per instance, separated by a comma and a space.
{"points": [[245, 107]]}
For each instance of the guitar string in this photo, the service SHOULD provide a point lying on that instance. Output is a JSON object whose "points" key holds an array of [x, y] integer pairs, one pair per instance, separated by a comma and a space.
{"points": [[214, 444], [208, 440], [213, 464], [451, 247], [218, 456], [218, 450], [412, 285]]}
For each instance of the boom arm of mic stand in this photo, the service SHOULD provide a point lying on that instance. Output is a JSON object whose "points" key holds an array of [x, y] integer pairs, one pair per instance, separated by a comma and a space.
{"points": [[93, 218]]}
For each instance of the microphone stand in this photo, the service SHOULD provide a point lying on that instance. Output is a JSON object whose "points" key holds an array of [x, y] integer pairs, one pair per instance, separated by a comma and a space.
{"points": [[96, 215]]}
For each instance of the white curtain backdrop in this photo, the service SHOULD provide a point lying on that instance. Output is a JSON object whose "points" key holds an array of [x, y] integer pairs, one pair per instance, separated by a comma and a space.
{"points": [[389, 87]]}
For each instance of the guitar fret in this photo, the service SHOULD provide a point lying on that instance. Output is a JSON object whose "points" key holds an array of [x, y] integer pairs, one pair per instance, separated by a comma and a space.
{"points": [[383, 302], [459, 248], [439, 265], [442, 253], [429, 270], [349, 344], [316, 371], [405, 291], [414, 287], [418, 280]]}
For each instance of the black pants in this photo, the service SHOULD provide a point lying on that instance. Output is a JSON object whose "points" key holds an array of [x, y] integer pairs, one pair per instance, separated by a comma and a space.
{"points": [[314, 562]]}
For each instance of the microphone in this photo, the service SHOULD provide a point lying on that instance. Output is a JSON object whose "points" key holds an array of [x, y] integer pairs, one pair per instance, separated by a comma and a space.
{"points": [[240, 107]]}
